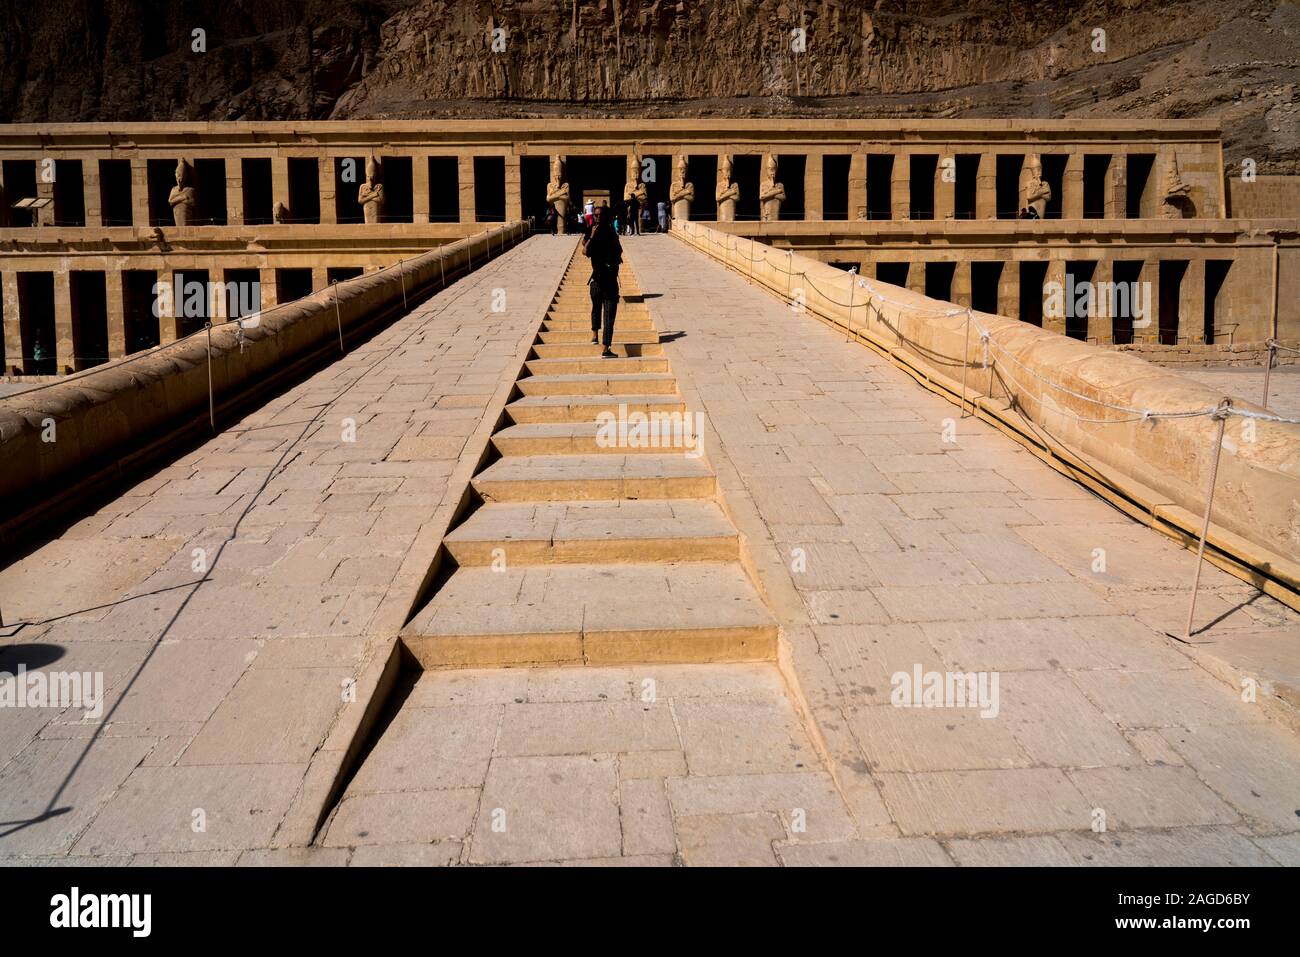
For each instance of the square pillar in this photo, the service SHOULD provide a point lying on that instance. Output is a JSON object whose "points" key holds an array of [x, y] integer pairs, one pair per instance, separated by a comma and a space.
{"points": [[91, 190], [901, 187], [266, 282], [1009, 289], [45, 191], [1072, 187], [514, 200], [1149, 280], [420, 189], [234, 191], [945, 188], [1191, 303], [814, 187], [139, 192], [465, 175], [320, 278], [13, 339], [858, 187], [1101, 324], [961, 283], [280, 182], [1055, 275], [115, 304], [325, 188], [64, 340], [169, 326], [916, 276], [1116, 187], [986, 187]]}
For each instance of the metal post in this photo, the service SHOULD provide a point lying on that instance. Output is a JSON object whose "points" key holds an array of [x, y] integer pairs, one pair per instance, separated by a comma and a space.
{"points": [[212, 409], [965, 361], [1268, 369], [402, 276], [1222, 415], [338, 316], [853, 275]]}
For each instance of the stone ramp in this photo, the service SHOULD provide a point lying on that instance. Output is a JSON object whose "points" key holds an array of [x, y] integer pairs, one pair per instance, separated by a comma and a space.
{"points": [[588, 547]]}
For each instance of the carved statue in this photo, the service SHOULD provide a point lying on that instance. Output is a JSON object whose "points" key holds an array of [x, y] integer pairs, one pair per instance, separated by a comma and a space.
{"points": [[727, 192], [681, 193], [634, 186], [770, 193], [1177, 195], [370, 194], [280, 212], [1037, 192], [557, 192], [182, 198]]}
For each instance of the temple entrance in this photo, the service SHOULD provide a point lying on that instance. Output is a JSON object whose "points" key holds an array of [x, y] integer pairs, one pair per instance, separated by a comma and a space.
{"points": [[596, 178]]}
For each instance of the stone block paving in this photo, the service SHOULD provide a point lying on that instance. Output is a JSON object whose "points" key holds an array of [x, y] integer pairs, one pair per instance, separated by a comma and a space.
{"points": [[220, 687]]}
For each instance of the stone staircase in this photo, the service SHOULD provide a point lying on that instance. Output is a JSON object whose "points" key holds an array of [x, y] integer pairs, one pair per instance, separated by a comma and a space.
{"points": [[585, 551]]}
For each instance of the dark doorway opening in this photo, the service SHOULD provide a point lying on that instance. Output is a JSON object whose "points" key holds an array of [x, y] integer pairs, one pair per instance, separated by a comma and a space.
{"points": [[835, 187], [489, 189], [1172, 272], [1080, 306], [893, 273], [984, 280], [398, 195], [746, 172], [657, 188], [304, 190], [1007, 185], [534, 174], [1054, 177], [922, 168], [342, 273], [138, 316], [210, 185], [191, 297], [595, 178], [36, 323], [1126, 274], [258, 204], [291, 284], [938, 280], [966, 186], [702, 172], [790, 172], [161, 176], [349, 174], [243, 293], [89, 319], [115, 193], [69, 194], [880, 186], [1095, 168], [1135, 183], [1032, 277], [444, 189], [847, 265], [1216, 273], [19, 183]]}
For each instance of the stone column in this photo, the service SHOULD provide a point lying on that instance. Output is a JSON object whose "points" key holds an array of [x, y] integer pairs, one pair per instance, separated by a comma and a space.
{"points": [[986, 187], [916, 276], [329, 213], [1072, 187], [1055, 275], [169, 325], [945, 193], [115, 303], [65, 344], [814, 187], [91, 189], [234, 191], [139, 192], [1191, 303], [858, 187], [1101, 324], [270, 294], [319, 278], [1113, 191], [1149, 281], [280, 182], [514, 196], [465, 172], [961, 283], [13, 338], [420, 188], [901, 187], [44, 190], [1009, 290]]}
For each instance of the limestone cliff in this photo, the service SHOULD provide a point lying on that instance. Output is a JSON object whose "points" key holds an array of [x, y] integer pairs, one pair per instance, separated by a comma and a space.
{"points": [[266, 59]]}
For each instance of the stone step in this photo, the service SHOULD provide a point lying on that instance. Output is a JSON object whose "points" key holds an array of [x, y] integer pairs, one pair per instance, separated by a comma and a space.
{"points": [[585, 478], [594, 615], [581, 335], [583, 408], [582, 320], [595, 384], [579, 350], [683, 530], [589, 438], [595, 365]]}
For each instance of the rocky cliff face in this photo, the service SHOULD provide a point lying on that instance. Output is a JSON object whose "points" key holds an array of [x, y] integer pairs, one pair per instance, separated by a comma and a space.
{"points": [[280, 59]]}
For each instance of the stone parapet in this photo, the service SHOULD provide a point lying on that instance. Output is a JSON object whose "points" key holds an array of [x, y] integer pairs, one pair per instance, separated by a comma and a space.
{"points": [[1101, 416]]}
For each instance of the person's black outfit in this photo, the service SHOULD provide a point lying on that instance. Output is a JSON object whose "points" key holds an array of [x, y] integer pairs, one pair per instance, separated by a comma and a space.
{"points": [[606, 254], [633, 209]]}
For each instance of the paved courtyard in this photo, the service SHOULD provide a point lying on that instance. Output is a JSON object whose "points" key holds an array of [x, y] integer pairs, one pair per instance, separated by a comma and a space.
{"points": [[878, 547]]}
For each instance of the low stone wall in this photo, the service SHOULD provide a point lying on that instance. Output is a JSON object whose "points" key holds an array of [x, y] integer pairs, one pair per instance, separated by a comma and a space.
{"points": [[1217, 356], [57, 434], [1087, 401]]}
